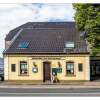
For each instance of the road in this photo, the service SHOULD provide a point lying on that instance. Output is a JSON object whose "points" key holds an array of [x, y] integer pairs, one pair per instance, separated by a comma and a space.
{"points": [[48, 92]]}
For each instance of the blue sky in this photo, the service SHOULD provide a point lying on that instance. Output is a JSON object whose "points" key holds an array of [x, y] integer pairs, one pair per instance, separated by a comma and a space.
{"points": [[14, 15]]}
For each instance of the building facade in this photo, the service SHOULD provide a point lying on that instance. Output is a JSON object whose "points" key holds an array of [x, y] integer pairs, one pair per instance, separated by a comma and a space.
{"points": [[41, 51]]}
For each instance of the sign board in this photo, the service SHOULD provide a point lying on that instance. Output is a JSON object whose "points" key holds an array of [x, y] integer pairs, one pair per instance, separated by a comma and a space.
{"points": [[59, 70], [56, 70]]}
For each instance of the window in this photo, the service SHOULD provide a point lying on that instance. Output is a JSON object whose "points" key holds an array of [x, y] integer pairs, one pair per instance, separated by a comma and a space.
{"points": [[80, 67], [23, 68], [13, 67], [70, 68], [69, 45], [23, 45]]}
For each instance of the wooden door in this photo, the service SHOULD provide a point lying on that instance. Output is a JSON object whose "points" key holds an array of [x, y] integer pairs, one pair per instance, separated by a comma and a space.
{"points": [[46, 71]]}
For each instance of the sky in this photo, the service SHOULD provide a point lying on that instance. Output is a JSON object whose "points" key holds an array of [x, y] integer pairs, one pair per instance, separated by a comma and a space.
{"points": [[14, 15]]}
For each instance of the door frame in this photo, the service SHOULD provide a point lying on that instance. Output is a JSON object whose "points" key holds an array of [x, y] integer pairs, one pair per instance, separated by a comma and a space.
{"points": [[44, 72]]}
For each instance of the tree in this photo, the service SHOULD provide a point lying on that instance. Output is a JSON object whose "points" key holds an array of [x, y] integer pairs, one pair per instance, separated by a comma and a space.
{"points": [[87, 18]]}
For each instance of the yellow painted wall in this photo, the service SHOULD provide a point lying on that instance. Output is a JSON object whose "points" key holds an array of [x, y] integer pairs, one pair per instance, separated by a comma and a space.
{"points": [[54, 63]]}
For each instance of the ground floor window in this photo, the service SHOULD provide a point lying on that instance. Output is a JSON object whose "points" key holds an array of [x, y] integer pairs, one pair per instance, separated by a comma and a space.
{"points": [[80, 67], [70, 68], [23, 68], [13, 67]]}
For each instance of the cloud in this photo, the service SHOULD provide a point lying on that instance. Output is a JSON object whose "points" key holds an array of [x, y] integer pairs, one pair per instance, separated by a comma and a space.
{"points": [[14, 15]]}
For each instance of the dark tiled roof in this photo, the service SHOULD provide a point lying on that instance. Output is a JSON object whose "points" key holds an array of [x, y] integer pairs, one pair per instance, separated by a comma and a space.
{"points": [[13, 32], [48, 37]]}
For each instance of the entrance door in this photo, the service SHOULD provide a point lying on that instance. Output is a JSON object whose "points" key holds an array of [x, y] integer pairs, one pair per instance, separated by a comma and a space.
{"points": [[46, 71]]}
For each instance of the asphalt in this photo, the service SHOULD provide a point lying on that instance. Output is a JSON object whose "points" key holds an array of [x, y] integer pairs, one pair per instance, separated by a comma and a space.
{"points": [[80, 89], [49, 92]]}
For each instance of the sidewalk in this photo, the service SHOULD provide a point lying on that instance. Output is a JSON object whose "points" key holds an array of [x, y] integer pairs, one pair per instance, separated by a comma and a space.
{"points": [[50, 86]]}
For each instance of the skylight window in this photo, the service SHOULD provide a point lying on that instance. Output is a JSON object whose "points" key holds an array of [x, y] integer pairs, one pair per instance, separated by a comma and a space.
{"points": [[69, 45], [23, 45]]}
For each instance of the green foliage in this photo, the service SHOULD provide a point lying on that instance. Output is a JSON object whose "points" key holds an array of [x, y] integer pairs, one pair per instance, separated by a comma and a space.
{"points": [[87, 18]]}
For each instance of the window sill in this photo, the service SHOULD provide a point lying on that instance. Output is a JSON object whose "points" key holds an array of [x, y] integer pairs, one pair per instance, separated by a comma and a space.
{"points": [[67, 75], [23, 75]]}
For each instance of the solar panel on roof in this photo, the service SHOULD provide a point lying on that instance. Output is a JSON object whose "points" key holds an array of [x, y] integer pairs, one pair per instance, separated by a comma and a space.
{"points": [[23, 44], [69, 45]]}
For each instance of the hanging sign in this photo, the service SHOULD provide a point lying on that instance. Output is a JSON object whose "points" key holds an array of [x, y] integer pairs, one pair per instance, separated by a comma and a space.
{"points": [[35, 69]]}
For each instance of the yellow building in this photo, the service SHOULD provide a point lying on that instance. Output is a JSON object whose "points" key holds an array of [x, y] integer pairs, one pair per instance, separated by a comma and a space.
{"points": [[46, 51]]}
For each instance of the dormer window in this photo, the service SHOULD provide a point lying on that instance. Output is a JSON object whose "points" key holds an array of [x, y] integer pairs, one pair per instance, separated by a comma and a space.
{"points": [[69, 45], [23, 45]]}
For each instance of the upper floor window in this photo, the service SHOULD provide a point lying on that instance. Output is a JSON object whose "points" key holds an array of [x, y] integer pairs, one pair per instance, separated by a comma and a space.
{"points": [[70, 68], [23, 68], [23, 45], [69, 45]]}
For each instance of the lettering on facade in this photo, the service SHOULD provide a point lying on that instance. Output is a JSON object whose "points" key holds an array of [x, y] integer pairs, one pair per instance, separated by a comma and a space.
{"points": [[47, 58]]}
